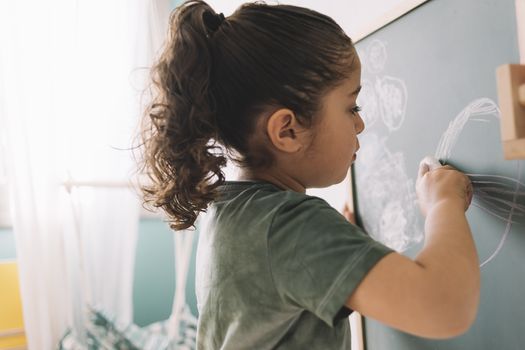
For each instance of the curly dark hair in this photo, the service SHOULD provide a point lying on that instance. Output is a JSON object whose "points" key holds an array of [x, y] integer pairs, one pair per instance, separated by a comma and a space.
{"points": [[211, 86]]}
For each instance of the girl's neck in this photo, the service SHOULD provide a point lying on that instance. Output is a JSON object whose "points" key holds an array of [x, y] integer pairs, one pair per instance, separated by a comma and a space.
{"points": [[282, 181]]}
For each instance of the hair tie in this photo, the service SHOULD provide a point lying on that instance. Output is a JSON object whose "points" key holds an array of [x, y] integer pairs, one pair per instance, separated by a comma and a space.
{"points": [[212, 21]]}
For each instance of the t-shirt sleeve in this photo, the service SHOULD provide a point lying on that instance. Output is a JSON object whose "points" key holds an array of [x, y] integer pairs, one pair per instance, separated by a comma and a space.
{"points": [[317, 257]]}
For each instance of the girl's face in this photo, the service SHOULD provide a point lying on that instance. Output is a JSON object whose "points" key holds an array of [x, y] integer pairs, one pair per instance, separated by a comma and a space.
{"points": [[335, 143], [317, 156]]}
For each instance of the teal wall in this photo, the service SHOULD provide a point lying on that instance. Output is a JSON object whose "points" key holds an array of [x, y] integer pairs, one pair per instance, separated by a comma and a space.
{"points": [[7, 244], [154, 282], [154, 276], [175, 3]]}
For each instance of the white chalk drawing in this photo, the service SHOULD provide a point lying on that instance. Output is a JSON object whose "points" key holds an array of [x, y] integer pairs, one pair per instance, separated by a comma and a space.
{"points": [[369, 102], [376, 56], [389, 201], [393, 98], [390, 207], [494, 200], [480, 107], [389, 210], [387, 96], [499, 196]]}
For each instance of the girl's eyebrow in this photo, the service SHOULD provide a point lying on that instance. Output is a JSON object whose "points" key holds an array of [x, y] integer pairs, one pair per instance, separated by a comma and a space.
{"points": [[355, 92]]}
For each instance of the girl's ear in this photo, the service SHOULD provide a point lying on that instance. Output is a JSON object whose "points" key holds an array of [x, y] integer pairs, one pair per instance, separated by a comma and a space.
{"points": [[285, 132]]}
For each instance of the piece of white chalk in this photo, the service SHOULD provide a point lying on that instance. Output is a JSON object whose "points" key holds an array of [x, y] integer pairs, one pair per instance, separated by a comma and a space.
{"points": [[431, 162]]}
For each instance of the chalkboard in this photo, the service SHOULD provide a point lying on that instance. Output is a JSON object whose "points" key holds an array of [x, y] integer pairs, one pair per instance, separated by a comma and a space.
{"points": [[429, 88]]}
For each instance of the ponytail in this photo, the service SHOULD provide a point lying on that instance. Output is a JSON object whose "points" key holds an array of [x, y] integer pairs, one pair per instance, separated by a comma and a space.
{"points": [[216, 79], [181, 157]]}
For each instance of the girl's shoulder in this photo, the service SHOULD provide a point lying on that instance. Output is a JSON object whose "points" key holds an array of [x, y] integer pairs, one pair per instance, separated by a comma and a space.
{"points": [[264, 201], [268, 193]]}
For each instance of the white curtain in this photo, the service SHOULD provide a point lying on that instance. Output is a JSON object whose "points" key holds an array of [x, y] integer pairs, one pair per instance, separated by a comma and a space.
{"points": [[70, 83]]}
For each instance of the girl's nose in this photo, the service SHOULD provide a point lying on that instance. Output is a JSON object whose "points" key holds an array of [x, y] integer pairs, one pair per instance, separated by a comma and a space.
{"points": [[360, 124]]}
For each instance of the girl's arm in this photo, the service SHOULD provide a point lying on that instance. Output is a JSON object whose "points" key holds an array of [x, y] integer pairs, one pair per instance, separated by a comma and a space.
{"points": [[435, 295]]}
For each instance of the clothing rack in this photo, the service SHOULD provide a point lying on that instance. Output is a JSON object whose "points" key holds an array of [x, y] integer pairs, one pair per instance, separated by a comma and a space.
{"points": [[144, 213], [68, 184]]}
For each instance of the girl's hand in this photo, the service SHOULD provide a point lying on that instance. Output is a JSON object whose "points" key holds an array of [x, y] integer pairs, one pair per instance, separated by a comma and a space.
{"points": [[436, 183], [348, 214]]}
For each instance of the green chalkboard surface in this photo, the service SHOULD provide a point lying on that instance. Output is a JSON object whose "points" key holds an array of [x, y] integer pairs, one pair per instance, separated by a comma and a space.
{"points": [[429, 88]]}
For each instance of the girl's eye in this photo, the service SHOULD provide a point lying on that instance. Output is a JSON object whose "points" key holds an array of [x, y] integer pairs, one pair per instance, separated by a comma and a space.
{"points": [[355, 110]]}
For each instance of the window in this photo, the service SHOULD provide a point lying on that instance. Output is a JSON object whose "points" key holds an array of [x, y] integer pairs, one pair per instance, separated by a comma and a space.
{"points": [[5, 216]]}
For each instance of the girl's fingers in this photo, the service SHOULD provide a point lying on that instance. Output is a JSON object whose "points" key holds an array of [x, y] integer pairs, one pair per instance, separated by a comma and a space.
{"points": [[427, 164], [449, 167], [470, 193], [423, 169]]}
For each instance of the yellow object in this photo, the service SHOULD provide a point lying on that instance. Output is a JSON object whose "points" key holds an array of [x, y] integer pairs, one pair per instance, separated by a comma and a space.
{"points": [[11, 321], [511, 96]]}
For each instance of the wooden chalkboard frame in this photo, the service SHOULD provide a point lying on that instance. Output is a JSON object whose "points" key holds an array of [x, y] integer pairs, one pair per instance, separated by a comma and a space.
{"points": [[386, 18], [520, 22]]}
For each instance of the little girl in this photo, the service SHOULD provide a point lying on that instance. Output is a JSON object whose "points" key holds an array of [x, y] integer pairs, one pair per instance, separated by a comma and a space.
{"points": [[274, 87]]}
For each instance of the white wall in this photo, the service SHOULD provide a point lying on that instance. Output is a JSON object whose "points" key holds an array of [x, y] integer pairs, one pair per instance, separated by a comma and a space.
{"points": [[354, 16]]}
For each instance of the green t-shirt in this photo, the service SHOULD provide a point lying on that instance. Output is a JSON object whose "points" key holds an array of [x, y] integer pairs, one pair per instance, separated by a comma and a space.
{"points": [[274, 269]]}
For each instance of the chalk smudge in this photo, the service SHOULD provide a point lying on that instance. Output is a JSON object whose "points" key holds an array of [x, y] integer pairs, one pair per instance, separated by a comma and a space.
{"points": [[376, 56], [393, 98], [389, 201], [499, 196]]}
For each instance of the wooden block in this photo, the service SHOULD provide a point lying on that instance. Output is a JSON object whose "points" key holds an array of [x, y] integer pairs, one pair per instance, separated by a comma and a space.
{"points": [[11, 321], [514, 149], [511, 95], [510, 78]]}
